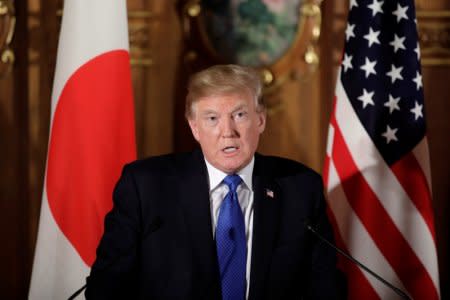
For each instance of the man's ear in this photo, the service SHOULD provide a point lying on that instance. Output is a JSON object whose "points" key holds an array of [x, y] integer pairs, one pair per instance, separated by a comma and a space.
{"points": [[194, 128], [262, 121]]}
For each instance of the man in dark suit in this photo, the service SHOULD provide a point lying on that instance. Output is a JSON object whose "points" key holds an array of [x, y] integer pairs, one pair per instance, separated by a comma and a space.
{"points": [[221, 222]]}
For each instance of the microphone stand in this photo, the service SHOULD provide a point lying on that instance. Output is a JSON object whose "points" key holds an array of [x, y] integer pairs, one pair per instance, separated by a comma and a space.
{"points": [[74, 295], [398, 291]]}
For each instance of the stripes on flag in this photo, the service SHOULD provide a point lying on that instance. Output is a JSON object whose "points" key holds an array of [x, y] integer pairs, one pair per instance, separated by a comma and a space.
{"points": [[376, 169]]}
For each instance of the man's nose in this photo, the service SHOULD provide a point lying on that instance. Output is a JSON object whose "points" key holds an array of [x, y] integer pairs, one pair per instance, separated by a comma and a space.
{"points": [[229, 128]]}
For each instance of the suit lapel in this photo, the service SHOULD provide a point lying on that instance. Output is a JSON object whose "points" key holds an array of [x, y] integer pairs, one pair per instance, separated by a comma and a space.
{"points": [[195, 204], [265, 226]]}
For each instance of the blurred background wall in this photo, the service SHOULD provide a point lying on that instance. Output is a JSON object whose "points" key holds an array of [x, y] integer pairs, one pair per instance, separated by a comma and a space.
{"points": [[297, 122]]}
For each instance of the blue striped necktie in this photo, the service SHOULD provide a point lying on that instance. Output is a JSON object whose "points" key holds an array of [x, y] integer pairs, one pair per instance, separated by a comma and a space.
{"points": [[231, 243]]}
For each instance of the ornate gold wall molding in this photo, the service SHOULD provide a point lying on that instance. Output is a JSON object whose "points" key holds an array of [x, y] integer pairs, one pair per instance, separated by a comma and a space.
{"points": [[35, 29], [434, 37], [139, 33], [7, 26]]}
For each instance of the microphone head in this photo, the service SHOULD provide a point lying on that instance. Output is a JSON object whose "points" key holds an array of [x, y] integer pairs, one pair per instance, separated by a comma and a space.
{"points": [[307, 224]]}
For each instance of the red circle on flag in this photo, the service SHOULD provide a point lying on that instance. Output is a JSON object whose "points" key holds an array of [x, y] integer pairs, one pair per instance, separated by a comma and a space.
{"points": [[92, 137]]}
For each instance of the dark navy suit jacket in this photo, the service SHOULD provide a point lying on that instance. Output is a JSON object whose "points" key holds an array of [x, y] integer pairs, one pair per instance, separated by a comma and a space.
{"points": [[158, 241]]}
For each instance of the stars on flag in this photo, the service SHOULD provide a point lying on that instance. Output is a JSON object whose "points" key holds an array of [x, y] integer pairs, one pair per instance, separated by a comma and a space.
{"points": [[376, 7], [395, 73], [400, 12], [380, 72], [398, 43], [417, 50], [369, 67], [392, 104], [418, 80], [347, 62], [366, 98], [417, 111], [349, 31], [389, 134], [372, 37]]}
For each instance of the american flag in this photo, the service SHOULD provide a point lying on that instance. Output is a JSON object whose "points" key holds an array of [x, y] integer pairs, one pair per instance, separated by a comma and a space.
{"points": [[376, 169]]}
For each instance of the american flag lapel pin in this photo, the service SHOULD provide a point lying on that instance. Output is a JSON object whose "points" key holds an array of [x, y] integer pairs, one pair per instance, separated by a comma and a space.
{"points": [[269, 193]]}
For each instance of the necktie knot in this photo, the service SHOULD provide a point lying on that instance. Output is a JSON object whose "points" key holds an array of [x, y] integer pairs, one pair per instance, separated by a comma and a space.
{"points": [[232, 181]]}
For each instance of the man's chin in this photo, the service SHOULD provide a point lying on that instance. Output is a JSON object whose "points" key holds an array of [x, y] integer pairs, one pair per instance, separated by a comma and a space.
{"points": [[232, 167]]}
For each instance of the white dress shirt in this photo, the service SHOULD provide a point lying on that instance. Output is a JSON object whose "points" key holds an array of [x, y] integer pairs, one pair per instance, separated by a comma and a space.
{"points": [[218, 191]]}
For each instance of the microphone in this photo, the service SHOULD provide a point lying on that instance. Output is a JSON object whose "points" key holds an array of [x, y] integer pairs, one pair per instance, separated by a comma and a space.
{"points": [[398, 291], [154, 225]]}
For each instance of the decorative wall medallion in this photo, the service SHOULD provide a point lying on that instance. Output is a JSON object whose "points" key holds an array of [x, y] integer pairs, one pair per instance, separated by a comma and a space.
{"points": [[276, 36]]}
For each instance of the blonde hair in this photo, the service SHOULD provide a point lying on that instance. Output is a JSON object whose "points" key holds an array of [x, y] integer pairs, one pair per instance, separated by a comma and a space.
{"points": [[223, 80]]}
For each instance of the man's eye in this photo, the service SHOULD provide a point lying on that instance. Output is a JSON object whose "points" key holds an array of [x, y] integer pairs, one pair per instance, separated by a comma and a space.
{"points": [[240, 115], [211, 120]]}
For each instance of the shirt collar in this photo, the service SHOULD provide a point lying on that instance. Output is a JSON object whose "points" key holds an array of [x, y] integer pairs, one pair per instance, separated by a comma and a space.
{"points": [[216, 176]]}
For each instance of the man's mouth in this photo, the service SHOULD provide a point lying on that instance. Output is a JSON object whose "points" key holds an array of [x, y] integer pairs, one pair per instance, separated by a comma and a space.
{"points": [[230, 149]]}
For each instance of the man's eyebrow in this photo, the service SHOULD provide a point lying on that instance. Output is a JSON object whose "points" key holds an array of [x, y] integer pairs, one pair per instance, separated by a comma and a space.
{"points": [[208, 112], [240, 107]]}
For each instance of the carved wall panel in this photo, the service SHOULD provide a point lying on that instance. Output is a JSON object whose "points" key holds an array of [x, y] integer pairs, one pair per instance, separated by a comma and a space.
{"points": [[434, 36], [14, 255], [155, 46], [433, 18]]}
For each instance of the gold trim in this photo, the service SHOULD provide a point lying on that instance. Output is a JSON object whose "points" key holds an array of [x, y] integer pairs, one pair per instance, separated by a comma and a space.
{"points": [[274, 109], [435, 50], [433, 13], [11, 30], [193, 9], [4, 8], [8, 56], [433, 25], [310, 10], [7, 13], [138, 34], [142, 62], [434, 62], [142, 14], [138, 14], [433, 28], [267, 76], [311, 56]]}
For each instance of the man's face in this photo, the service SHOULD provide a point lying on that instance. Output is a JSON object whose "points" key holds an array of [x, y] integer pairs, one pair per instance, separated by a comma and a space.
{"points": [[227, 128]]}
